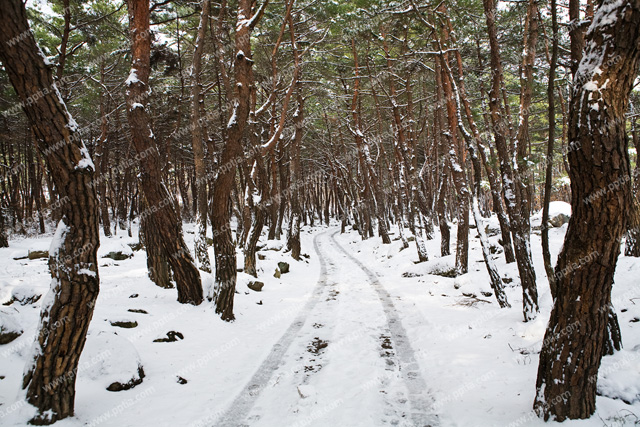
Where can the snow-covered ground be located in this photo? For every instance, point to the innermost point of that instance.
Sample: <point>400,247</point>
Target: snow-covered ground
<point>356,334</point>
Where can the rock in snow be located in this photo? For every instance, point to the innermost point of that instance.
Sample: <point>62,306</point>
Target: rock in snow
<point>9,328</point>
<point>111,360</point>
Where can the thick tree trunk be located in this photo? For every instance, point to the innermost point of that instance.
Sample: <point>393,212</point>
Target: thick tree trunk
<point>579,325</point>
<point>160,203</point>
<point>157,263</point>
<point>49,378</point>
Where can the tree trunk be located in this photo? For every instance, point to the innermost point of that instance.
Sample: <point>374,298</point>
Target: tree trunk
<point>157,263</point>
<point>578,330</point>
<point>102,160</point>
<point>546,255</point>
<point>160,203</point>
<point>293,234</point>
<point>443,159</point>
<point>459,176</point>
<point>513,196</point>
<point>632,242</point>
<point>371,190</point>
<point>49,379</point>
<point>225,251</point>
<point>197,98</point>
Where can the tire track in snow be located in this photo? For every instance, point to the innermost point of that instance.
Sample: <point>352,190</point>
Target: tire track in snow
<point>243,403</point>
<point>419,400</point>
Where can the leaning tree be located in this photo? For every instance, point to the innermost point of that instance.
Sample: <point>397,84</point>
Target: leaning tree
<point>579,330</point>
<point>49,379</point>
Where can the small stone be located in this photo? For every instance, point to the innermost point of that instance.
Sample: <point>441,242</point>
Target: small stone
<point>284,267</point>
<point>172,336</point>
<point>181,380</point>
<point>255,286</point>
<point>133,296</point>
<point>117,256</point>
<point>124,324</point>
<point>559,220</point>
<point>137,310</point>
<point>38,254</point>
<point>277,273</point>
<point>9,328</point>
<point>491,230</point>
<point>136,246</point>
<point>116,386</point>
<point>262,257</point>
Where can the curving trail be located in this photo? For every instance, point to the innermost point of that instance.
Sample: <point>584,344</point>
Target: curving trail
<point>344,360</point>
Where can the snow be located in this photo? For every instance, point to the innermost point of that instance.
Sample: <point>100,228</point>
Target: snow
<point>402,344</point>
<point>233,120</point>
<point>133,77</point>
<point>108,358</point>
<point>85,162</point>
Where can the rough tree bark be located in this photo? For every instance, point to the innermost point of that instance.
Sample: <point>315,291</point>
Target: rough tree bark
<point>546,254</point>
<point>225,251</point>
<point>102,159</point>
<point>161,206</point>
<point>579,325</point>
<point>514,198</point>
<point>197,137</point>
<point>293,234</point>
<point>49,378</point>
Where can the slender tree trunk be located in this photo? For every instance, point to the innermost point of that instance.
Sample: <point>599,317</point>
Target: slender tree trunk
<point>579,327</point>
<point>632,243</point>
<point>293,234</point>
<point>513,196</point>
<point>49,379</point>
<point>459,176</point>
<point>102,159</point>
<point>160,203</point>
<point>197,98</point>
<point>370,178</point>
<point>546,254</point>
<point>225,252</point>
<point>443,159</point>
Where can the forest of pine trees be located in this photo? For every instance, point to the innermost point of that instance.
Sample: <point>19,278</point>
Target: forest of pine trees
<point>403,120</point>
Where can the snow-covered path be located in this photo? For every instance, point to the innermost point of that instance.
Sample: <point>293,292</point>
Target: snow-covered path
<point>356,334</point>
<point>345,358</point>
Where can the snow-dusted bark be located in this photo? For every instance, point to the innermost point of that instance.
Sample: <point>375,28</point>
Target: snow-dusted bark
<point>163,216</point>
<point>225,251</point>
<point>581,324</point>
<point>49,378</point>
<point>197,97</point>
<point>515,198</point>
